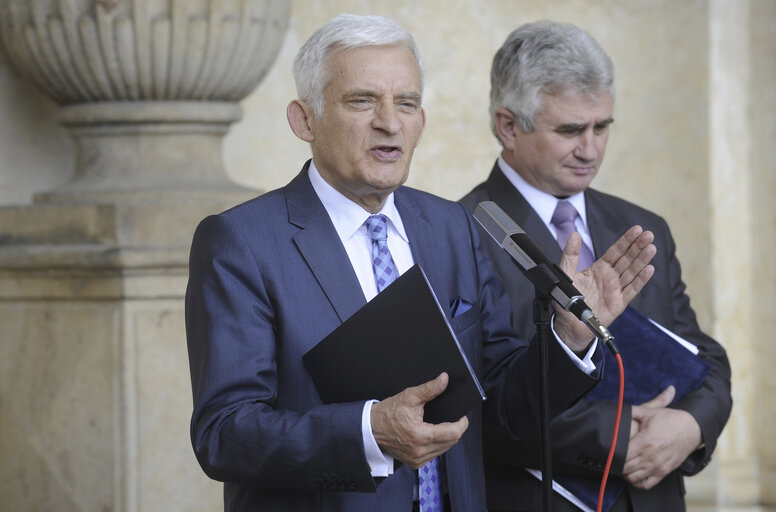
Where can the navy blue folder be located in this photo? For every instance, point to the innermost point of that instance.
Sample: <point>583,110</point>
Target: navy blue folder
<point>651,360</point>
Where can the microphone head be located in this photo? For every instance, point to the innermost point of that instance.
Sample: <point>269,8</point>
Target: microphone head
<point>496,222</point>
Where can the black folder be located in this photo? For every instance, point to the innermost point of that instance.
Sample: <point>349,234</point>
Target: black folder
<point>401,338</point>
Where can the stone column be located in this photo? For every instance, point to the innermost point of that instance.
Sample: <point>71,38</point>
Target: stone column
<point>94,384</point>
<point>742,35</point>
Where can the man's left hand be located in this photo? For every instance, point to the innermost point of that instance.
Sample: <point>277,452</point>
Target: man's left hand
<point>608,285</point>
<point>665,438</point>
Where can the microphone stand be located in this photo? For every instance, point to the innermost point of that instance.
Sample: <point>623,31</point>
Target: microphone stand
<point>541,317</point>
<point>544,280</point>
<point>550,282</point>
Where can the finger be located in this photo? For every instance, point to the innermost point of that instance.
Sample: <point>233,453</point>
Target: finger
<point>440,438</point>
<point>621,246</point>
<point>445,435</point>
<point>429,390</point>
<point>663,399</point>
<point>631,253</point>
<point>448,431</point>
<point>633,472</point>
<point>633,288</point>
<point>639,413</point>
<point>638,256</point>
<point>570,256</point>
<point>634,428</point>
<point>647,483</point>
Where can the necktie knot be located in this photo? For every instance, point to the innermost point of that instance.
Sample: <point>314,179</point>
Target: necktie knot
<point>377,227</point>
<point>563,219</point>
<point>564,212</point>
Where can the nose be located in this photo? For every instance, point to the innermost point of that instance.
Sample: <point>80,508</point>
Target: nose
<point>386,119</point>
<point>587,149</point>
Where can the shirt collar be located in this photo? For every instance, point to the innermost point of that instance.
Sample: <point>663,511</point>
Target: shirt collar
<point>346,215</point>
<point>542,202</point>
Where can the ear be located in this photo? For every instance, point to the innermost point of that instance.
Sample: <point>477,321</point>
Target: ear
<point>299,115</point>
<point>506,128</point>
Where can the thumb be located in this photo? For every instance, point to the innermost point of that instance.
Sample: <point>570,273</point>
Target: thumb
<point>431,389</point>
<point>570,256</point>
<point>663,399</point>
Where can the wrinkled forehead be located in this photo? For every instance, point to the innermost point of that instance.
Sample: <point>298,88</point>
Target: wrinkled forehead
<point>371,67</point>
<point>339,58</point>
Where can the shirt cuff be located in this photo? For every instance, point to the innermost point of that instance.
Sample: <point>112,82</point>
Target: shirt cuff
<point>586,363</point>
<point>380,464</point>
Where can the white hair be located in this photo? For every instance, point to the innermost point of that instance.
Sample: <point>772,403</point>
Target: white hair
<point>346,31</point>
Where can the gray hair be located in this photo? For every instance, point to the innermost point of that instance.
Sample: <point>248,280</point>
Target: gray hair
<point>546,57</point>
<point>311,72</point>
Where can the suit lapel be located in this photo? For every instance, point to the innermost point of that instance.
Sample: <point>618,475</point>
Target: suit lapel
<point>604,227</point>
<point>321,248</point>
<point>422,237</point>
<point>504,194</point>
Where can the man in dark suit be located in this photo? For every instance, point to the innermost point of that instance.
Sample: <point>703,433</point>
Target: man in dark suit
<point>552,100</point>
<point>272,277</point>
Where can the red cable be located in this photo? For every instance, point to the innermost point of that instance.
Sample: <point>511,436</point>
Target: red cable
<point>620,394</point>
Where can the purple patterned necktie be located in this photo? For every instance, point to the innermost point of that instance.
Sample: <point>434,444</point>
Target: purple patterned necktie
<point>429,481</point>
<point>430,487</point>
<point>382,263</point>
<point>563,220</point>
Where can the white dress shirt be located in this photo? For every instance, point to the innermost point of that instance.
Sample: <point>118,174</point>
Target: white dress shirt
<point>544,204</point>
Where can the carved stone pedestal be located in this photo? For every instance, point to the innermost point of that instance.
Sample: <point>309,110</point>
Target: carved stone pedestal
<point>95,395</point>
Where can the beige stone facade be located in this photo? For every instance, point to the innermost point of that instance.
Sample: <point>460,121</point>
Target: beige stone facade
<point>97,206</point>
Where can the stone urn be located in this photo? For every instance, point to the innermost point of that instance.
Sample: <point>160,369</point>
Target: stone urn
<point>147,89</point>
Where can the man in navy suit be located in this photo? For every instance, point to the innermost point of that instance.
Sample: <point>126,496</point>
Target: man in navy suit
<point>552,100</point>
<point>272,277</point>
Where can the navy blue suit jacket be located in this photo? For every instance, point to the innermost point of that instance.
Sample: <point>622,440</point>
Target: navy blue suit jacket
<point>581,435</point>
<point>268,280</point>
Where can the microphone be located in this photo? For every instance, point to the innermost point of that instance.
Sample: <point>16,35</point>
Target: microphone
<point>548,278</point>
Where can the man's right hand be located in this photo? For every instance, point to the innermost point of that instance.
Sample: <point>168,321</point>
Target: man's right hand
<point>399,429</point>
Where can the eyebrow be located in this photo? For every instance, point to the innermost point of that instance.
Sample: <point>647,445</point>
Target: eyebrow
<point>371,94</point>
<point>410,96</point>
<point>572,127</point>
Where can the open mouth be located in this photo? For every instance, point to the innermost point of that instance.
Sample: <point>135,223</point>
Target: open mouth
<point>387,152</point>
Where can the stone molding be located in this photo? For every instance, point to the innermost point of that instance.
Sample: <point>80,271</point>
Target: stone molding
<point>147,89</point>
<point>81,51</point>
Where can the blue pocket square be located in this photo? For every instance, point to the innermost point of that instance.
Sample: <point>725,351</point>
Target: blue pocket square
<point>459,307</point>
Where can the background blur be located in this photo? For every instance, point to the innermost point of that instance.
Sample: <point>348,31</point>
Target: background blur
<point>695,124</point>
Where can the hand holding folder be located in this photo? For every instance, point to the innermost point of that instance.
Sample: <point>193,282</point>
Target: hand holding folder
<point>399,339</point>
<point>653,358</point>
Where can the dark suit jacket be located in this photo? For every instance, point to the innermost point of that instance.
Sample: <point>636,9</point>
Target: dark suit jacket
<point>581,435</point>
<point>268,280</point>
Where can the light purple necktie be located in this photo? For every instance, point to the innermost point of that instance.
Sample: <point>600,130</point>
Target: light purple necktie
<point>429,481</point>
<point>382,263</point>
<point>563,220</point>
